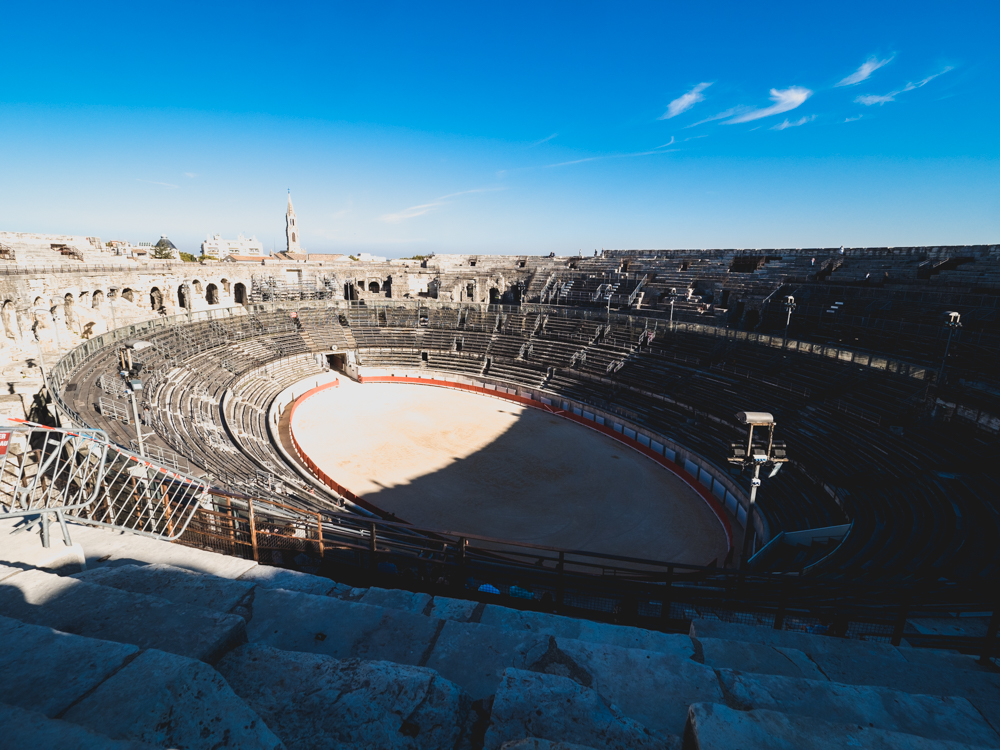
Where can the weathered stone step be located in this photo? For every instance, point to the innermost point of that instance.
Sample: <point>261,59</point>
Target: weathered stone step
<point>555,708</point>
<point>96,611</point>
<point>172,583</point>
<point>838,661</point>
<point>930,716</point>
<point>650,686</point>
<point>30,729</point>
<point>717,727</point>
<point>121,692</point>
<point>314,702</point>
<point>814,643</point>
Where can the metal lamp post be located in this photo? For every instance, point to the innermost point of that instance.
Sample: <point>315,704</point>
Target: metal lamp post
<point>952,321</point>
<point>764,451</point>
<point>790,307</point>
<point>673,298</point>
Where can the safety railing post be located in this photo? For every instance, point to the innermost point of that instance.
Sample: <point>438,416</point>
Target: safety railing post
<point>904,610</point>
<point>319,531</point>
<point>991,636</point>
<point>462,562</point>
<point>668,595</point>
<point>561,583</point>
<point>372,548</point>
<point>253,530</point>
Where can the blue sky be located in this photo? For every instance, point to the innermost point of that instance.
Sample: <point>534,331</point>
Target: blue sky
<point>508,127</point>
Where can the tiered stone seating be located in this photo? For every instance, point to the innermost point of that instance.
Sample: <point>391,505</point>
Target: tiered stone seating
<point>176,647</point>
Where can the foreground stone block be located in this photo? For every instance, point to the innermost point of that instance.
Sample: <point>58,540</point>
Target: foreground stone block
<point>270,577</point>
<point>45,670</point>
<point>171,701</point>
<point>758,659</point>
<point>20,729</point>
<point>932,717</point>
<point>315,702</point>
<point>398,599</point>
<point>87,609</point>
<point>548,707</point>
<point>324,625</point>
<point>536,744</point>
<point>715,727</point>
<point>174,584</point>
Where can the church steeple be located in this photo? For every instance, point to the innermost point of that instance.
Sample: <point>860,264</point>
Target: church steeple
<point>291,228</point>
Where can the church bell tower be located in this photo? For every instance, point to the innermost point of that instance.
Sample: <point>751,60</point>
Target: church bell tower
<point>291,228</point>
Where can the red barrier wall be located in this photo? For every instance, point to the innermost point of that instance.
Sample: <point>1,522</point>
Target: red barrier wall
<point>635,445</point>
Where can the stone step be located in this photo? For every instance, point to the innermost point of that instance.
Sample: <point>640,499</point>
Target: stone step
<point>96,611</point>
<point>313,701</point>
<point>650,686</point>
<point>558,709</point>
<point>838,662</point>
<point>929,716</point>
<point>717,727</point>
<point>533,743</point>
<point>814,643</point>
<point>172,583</point>
<point>30,729</point>
<point>121,692</point>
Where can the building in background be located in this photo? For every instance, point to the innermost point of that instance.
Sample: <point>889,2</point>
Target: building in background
<point>218,248</point>
<point>291,229</point>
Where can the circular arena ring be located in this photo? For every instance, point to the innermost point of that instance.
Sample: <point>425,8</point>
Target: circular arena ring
<point>873,495</point>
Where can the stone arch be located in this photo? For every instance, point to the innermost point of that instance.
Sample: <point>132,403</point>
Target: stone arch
<point>155,298</point>
<point>373,287</point>
<point>84,299</point>
<point>97,298</point>
<point>128,295</point>
<point>494,296</point>
<point>69,311</point>
<point>8,315</point>
<point>212,294</point>
<point>182,297</point>
<point>240,293</point>
<point>198,288</point>
<point>225,285</point>
<point>112,294</point>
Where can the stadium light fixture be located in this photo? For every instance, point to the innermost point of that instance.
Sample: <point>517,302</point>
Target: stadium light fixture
<point>790,307</point>
<point>952,321</point>
<point>673,298</point>
<point>759,451</point>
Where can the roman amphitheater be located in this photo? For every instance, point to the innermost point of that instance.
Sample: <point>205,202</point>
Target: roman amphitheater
<point>634,499</point>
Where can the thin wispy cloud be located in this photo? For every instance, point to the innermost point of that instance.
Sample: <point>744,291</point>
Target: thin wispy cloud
<point>190,175</point>
<point>864,72</point>
<point>853,119</point>
<point>658,150</point>
<point>870,100</point>
<point>424,208</point>
<point>164,184</point>
<point>546,139</point>
<point>793,123</point>
<point>784,100</point>
<point>671,142</point>
<point>684,102</point>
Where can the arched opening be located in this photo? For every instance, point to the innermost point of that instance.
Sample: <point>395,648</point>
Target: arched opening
<point>84,299</point>
<point>69,311</point>
<point>494,296</point>
<point>240,293</point>
<point>155,298</point>
<point>373,287</point>
<point>387,287</point>
<point>212,294</point>
<point>198,287</point>
<point>9,316</point>
<point>225,285</point>
<point>470,291</point>
<point>127,295</point>
<point>294,240</point>
<point>350,293</point>
<point>112,294</point>
<point>182,298</point>
<point>97,299</point>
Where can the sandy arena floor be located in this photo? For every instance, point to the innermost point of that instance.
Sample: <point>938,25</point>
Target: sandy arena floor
<point>456,461</point>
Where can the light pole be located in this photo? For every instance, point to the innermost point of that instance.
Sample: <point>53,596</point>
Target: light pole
<point>790,307</point>
<point>765,451</point>
<point>132,384</point>
<point>673,298</point>
<point>952,321</point>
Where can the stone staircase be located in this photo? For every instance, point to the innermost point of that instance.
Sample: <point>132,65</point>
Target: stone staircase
<point>156,645</point>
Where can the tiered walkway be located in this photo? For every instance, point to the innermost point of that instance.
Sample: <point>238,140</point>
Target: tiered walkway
<point>172,647</point>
